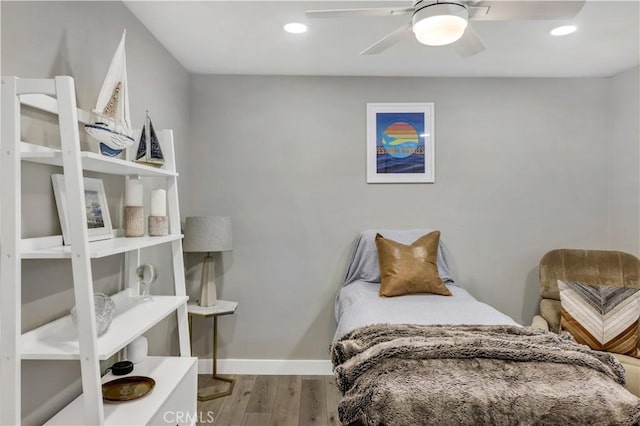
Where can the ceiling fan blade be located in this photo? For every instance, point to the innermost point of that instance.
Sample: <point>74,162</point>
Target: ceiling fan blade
<point>475,12</point>
<point>469,44</point>
<point>388,41</point>
<point>341,13</point>
<point>526,10</point>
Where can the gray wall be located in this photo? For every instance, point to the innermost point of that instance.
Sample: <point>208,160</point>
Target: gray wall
<point>521,169</point>
<point>44,39</point>
<point>624,162</point>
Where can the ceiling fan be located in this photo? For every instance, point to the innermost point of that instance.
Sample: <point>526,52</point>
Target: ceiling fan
<point>443,22</point>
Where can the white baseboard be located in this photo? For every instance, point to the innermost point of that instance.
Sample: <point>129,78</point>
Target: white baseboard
<point>312,367</point>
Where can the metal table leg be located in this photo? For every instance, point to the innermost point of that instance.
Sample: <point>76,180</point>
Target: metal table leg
<point>214,376</point>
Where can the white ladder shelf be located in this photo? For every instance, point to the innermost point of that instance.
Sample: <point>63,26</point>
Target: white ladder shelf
<point>61,339</point>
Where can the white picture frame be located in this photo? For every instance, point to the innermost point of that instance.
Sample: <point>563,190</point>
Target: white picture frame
<point>400,143</point>
<point>98,219</point>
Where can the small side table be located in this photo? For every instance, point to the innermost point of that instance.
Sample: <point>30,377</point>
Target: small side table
<point>222,307</point>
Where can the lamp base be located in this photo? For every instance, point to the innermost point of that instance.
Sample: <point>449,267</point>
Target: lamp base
<point>208,296</point>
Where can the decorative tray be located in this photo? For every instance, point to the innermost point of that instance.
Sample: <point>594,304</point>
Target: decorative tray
<point>127,388</point>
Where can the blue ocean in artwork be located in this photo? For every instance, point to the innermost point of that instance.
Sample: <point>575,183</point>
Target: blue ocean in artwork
<point>411,164</point>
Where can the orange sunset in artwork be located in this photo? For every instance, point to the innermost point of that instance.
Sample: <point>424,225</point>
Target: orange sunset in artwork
<point>400,139</point>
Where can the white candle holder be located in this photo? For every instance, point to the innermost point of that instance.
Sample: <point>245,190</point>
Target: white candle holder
<point>133,221</point>
<point>158,226</point>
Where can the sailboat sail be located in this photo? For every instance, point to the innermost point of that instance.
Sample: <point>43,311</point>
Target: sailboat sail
<point>110,120</point>
<point>149,150</point>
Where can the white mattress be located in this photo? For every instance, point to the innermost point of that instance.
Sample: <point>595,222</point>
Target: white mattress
<point>358,305</point>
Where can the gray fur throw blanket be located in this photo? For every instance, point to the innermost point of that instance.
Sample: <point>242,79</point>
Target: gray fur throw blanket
<point>413,375</point>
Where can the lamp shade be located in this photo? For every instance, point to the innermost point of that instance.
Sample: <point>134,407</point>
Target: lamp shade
<point>208,233</point>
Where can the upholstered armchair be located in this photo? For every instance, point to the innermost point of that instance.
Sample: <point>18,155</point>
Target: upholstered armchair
<point>611,268</point>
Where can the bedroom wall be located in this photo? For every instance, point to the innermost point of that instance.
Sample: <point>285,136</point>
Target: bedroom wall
<point>44,39</point>
<point>624,162</point>
<point>521,169</point>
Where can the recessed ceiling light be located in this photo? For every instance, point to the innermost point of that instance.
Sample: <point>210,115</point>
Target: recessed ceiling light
<point>295,28</point>
<point>563,30</point>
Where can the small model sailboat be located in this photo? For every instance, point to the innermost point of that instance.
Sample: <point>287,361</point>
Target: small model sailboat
<point>149,151</point>
<point>110,120</point>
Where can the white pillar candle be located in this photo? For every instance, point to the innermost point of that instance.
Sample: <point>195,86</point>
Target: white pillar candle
<point>158,202</point>
<point>137,350</point>
<point>133,196</point>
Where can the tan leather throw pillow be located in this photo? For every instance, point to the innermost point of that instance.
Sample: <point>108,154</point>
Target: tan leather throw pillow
<point>410,269</point>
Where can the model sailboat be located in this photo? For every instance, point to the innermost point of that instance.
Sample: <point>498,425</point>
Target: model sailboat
<point>110,120</point>
<point>149,151</point>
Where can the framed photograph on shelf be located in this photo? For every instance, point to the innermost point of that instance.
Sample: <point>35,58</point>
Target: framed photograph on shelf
<point>400,143</point>
<point>95,198</point>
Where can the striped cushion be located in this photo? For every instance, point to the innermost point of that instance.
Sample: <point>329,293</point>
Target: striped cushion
<point>602,317</point>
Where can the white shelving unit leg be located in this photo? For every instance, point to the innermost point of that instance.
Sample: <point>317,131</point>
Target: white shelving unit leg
<point>80,257</point>
<point>131,263</point>
<point>176,246</point>
<point>10,265</point>
<point>183,322</point>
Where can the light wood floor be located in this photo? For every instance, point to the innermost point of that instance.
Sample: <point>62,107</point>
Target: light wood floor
<point>271,401</point>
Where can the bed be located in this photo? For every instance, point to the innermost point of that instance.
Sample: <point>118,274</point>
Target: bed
<point>430,359</point>
<point>358,305</point>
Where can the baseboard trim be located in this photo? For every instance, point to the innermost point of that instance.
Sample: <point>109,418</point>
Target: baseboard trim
<point>311,367</point>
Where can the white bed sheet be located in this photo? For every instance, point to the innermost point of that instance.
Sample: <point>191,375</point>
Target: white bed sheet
<point>359,305</point>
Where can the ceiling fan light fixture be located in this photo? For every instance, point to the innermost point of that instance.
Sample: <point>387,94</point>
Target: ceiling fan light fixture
<point>439,24</point>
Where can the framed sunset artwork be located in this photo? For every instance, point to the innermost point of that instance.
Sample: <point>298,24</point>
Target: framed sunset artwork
<point>400,143</point>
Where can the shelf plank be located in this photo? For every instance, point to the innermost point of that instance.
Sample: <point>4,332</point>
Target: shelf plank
<point>52,248</point>
<point>168,373</point>
<point>58,340</point>
<point>50,104</point>
<point>93,162</point>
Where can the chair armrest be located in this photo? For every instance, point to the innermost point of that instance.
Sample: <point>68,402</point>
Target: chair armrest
<point>632,371</point>
<point>631,365</point>
<point>539,322</point>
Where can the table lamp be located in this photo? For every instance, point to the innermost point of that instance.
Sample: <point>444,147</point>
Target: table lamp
<point>207,234</point>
